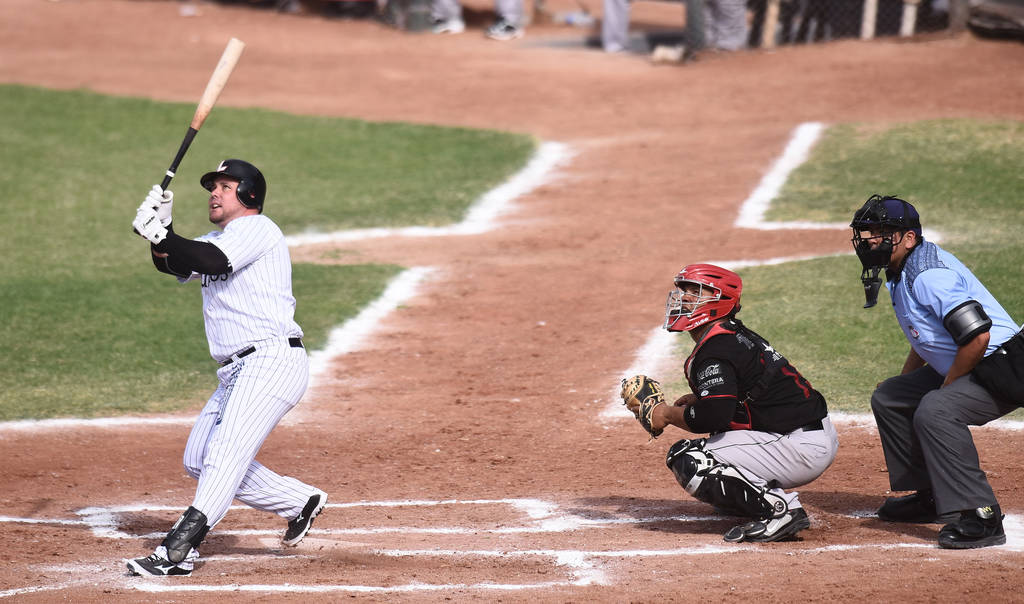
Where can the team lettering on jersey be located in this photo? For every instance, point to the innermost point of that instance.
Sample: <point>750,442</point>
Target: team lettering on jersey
<point>210,279</point>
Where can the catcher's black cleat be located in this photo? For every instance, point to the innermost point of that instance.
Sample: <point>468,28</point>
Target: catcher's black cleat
<point>157,565</point>
<point>916,508</point>
<point>982,527</point>
<point>783,528</point>
<point>298,527</point>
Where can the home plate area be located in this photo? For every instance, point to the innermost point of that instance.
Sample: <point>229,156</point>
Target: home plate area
<point>426,545</point>
<point>410,546</point>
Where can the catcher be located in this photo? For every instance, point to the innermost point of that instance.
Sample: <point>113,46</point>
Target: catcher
<point>768,429</point>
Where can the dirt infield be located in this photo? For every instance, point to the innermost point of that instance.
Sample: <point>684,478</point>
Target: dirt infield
<point>463,449</point>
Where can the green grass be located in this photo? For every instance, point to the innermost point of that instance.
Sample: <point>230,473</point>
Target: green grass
<point>91,329</point>
<point>964,178</point>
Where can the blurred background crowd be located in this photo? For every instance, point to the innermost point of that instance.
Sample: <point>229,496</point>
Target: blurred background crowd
<point>692,27</point>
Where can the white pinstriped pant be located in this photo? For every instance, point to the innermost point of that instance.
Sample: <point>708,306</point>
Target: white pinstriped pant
<point>254,393</point>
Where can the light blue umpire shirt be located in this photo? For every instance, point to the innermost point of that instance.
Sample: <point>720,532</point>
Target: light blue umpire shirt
<point>932,283</point>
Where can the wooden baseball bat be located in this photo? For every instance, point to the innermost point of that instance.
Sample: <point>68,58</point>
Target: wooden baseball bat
<point>220,76</point>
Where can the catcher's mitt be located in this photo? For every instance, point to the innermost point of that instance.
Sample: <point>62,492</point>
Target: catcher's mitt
<point>641,394</point>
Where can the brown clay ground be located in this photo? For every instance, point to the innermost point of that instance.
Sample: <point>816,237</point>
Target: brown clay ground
<point>488,385</point>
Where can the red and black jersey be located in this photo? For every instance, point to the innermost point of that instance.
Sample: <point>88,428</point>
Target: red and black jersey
<point>742,383</point>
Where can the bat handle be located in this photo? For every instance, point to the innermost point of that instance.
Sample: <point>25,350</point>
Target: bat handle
<point>191,134</point>
<point>185,142</point>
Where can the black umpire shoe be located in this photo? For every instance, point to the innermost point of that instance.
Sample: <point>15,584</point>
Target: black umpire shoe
<point>981,527</point>
<point>298,527</point>
<point>917,507</point>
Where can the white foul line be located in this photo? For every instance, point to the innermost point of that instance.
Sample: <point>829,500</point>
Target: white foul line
<point>657,353</point>
<point>751,215</point>
<point>353,333</point>
<point>653,358</point>
<point>481,217</point>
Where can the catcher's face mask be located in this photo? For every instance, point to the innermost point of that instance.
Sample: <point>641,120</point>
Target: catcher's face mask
<point>874,251</point>
<point>683,302</point>
<point>877,228</point>
<point>704,292</point>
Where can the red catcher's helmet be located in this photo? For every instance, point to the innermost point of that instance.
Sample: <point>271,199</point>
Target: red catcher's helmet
<point>718,295</point>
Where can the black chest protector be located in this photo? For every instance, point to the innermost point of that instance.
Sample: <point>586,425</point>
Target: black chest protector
<point>771,395</point>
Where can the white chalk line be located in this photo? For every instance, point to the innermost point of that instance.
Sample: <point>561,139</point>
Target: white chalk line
<point>19,591</point>
<point>292,588</point>
<point>481,216</point>
<point>100,520</point>
<point>752,212</point>
<point>580,565</point>
<point>355,332</point>
<point>657,357</point>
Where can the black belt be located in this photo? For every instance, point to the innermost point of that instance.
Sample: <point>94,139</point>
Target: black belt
<point>293,342</point>
<point>811,427</point>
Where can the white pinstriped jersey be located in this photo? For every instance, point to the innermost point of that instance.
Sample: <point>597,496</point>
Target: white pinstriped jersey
<point>254,301</point>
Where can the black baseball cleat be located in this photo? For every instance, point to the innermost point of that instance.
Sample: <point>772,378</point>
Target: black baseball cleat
<point>298,527</point>
<point>775,529</point>
<point>157,565</point>
<point>981,527</point>
<point>918,507</point>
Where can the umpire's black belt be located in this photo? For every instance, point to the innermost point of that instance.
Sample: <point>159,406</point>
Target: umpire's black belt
<point>293,342</point>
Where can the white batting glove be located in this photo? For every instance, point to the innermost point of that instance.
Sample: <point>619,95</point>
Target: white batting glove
<point>161,201</point>
<point>147,224</point>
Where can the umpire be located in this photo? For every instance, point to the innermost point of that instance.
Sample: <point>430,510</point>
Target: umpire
<point>952,322</point>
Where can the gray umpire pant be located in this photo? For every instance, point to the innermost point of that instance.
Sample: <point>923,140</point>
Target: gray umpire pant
<point>926,439</point>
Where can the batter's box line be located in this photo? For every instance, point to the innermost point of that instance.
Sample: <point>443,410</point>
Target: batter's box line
<point>580,564</point>
<point>546,518</point>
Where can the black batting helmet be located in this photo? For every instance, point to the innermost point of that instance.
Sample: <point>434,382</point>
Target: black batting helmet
<point>252,187</point>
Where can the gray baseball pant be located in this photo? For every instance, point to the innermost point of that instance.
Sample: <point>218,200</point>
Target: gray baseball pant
<point>615,25</point>
<point>777,461</point>
<point>715,23</point>
<point>508,10</point>
<point>726,24</point>
<point>926,439</point>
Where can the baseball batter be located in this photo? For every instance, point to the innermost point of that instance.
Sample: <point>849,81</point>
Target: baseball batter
<point>952,323</point>
<point>768,429</point>
<point>245,274</point>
